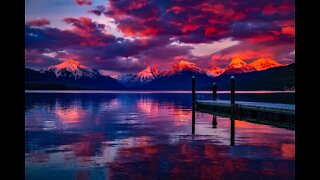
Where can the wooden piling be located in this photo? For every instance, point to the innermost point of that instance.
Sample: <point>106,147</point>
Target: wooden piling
<point>193,103</point>
<point>232,131</point>
<point>214,121</point>
<point>232,94</point>
<point>214,91</point>
<point>193,119</point>
<point>193,90</point>
<point>232,105</point>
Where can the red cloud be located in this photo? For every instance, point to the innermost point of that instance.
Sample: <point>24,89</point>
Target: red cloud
<point>210,31</point>
<point>269,10</point>
<point>176,9</point>
<point>286,8</point>
<point>84,26</point>
<point>203,21</point>
<point>38,22</point>
<point>288,30</point>
<point>93,33</point>
<point>189,27</point>
<point>148,31</point>
<point>137,4</point>
<point>281,8</point>
<point>239,16</point>
<point>83,2</point>
<point>261,38</point>
<point>215,8</point>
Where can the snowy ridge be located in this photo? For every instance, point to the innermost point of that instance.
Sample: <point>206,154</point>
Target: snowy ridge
<point>145,75</point>
<point>237,66</point>
<point>215,71</point>
<point>184,66</point>
<point>265,63</point>
<point>71,69</point>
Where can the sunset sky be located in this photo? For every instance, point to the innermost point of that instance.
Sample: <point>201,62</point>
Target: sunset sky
<point>123,36</point>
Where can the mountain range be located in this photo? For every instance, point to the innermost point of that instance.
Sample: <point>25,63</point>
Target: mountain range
<point>70,74</point>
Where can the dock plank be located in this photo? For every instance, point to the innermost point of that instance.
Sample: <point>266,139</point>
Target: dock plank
<point>287,109</point>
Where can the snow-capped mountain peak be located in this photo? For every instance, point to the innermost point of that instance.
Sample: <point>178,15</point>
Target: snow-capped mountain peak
<point>237,66</point>
<point>149,72</point>
<point>215,71</point>
<point>181,65</point>
<point>265,63</point>
<point>71,69</point>
<point>236,63</point>
<point>144,76</point>
<point>185,66</point>
<point>70,64</point>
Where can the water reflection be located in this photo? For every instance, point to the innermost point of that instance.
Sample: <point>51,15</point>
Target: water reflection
<point>214,121</point>
<point>232,131</point>
<point>122,136</point>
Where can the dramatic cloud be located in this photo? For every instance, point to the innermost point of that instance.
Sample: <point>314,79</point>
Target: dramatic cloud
<point>87,42</point>
<point>98,10</point>
<point>126,36</point>
<point>199,21</point>
<point>38,22</point>
<point>83,2</point>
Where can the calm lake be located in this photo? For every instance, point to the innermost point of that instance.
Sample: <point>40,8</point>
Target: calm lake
<point>148,135</point>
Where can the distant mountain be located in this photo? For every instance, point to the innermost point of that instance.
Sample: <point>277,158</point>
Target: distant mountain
<point>215,71</point>
<point>71,69</point>
<point>124,78</point>
<point>71,74</point>
<point>144,76</point>
<point>179,77</point>
<point>264,63</point>
<point>238,66</point>
<point>262,74</point>
<point>184,66</point>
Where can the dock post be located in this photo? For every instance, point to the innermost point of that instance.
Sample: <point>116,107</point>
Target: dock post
<point>214,91</point>
<point>232,115</point>
<point>193,119</point>
<point>214,121</point>
<point>193,103</point>
<point>232,131</point>
<point>232,94</point>
<point>193,90</point>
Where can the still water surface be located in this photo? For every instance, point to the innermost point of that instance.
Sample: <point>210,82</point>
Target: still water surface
<point>149,136</point>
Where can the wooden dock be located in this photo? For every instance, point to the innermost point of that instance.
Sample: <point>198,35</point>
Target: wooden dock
<point>285,109</point>
<point>282,115</point>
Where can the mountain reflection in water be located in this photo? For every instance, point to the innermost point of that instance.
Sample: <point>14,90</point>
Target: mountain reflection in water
<point>146,136</point>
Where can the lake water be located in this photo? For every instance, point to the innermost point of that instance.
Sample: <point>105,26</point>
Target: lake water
<point>123,135</point>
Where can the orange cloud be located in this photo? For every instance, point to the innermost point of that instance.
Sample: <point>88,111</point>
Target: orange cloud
<point>288,30</point>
